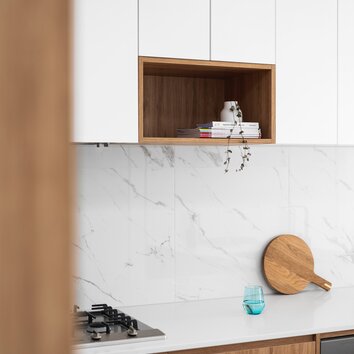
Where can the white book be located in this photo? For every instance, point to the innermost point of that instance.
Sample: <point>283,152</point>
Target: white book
<point>209,133</point>
<point>220,124</point>
<point>236,129</point>
<point>235,136</point>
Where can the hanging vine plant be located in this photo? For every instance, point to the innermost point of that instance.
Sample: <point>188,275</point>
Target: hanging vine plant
<point>244,147</point>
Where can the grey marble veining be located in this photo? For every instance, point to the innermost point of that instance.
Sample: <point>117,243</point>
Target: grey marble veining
<point>162,223</point>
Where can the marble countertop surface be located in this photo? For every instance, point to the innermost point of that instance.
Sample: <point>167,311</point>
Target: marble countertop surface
<point>223,321</point>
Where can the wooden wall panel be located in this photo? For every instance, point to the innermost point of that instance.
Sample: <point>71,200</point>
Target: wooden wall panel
<point>254,91</point>
<point>35,188</point>
<point>180,102</point>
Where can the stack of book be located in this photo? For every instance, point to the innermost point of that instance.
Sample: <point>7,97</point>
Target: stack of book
<point>218,129</point>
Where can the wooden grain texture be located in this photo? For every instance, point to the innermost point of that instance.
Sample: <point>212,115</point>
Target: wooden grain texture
<point>349,332</point>
<point>289,266</point>
<point>273,107</point>
<point>318,343</point>
<point>35,190</point>
<point>251,351</point>
<point>176,93</point>
<point>158,64</point>
<point>218,350</point>
<point>258,347</point>
<point>200,141</point>
<point>300,348</point>
<point>140,100</point>
<point>180,102</point>
<point>254,92</point>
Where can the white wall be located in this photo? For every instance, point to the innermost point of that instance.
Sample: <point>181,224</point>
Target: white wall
<point>163,224</point>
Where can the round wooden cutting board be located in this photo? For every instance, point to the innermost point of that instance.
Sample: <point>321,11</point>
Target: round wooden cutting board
<point>289,266</point>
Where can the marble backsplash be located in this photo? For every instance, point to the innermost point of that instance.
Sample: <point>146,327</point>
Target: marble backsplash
<point>164,223</point>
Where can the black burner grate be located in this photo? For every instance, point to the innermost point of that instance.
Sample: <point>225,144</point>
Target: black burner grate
<point>110,315</point>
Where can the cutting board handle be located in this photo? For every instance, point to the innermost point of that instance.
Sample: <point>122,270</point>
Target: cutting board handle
<point>323,283</point>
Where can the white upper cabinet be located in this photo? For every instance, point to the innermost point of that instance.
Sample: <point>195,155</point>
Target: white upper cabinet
<point>174,28</point>
<point>105,71</point>
<point>345,72</point>
<point>243,31</point>
<point>306,61</point>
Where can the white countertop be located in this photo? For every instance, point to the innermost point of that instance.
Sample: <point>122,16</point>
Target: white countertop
<point>216,322</point>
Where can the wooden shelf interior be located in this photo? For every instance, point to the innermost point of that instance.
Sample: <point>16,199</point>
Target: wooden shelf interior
<point>182,93</point>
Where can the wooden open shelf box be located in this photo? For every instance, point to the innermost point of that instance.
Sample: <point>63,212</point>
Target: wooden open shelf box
<point>177,93</point>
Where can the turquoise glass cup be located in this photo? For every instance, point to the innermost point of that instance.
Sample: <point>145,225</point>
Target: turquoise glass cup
<point>253,300</point>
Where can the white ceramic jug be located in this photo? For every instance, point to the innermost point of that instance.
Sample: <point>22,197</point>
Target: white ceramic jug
<point>228,114</point>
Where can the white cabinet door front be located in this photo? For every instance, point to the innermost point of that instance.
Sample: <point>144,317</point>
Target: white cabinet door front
<point>243,30</point>
<point>105,71</point>
<point>306,62</point>
<point>174,28</point>
<point>345,72</point>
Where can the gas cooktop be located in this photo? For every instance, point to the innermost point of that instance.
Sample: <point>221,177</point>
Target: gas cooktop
<point>104,325</point>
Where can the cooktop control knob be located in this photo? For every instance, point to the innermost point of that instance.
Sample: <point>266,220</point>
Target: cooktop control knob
<point>132,332</point>
<point>95,336</point>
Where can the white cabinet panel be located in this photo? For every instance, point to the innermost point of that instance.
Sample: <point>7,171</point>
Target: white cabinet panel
<point>345,71</point>
<point>105,71</point>
<point>174,28</point>
<point>306,62</point>
<point>243,30</point>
